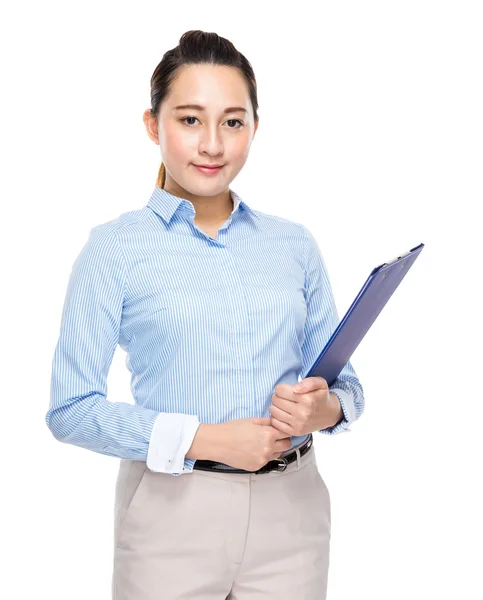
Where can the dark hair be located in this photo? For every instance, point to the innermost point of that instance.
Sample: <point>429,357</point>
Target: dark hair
<point>197,47</point>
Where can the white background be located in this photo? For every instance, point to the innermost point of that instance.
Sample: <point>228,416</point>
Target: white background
<point>371,135</point>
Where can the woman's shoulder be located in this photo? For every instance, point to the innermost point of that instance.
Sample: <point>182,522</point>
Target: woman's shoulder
<point>122,221</point>
<point>276,222</point>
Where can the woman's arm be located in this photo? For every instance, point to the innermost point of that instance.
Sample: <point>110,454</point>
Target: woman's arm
<point>321,321</point>
<point>79,412</point>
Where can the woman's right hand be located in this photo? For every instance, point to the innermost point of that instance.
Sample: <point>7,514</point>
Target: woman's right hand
<point>249,443</point>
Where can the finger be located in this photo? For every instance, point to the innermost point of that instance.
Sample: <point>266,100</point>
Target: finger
<point>281,426</point>
<point>262,420</point>
<point>286,404</point>
<point>284,390</point>
<point>309,384</point>
<point>280,414</point>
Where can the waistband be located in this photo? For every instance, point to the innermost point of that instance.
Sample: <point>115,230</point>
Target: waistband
<point>277,464</point>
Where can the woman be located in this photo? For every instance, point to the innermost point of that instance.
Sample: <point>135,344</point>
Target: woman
<point>220,308</point>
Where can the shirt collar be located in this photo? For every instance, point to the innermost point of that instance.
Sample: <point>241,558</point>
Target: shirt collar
<point>165,204</point>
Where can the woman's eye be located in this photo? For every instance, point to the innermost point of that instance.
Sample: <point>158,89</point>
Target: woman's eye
<point>229,121</point>
<point>183,120</point>
<point>235,121</point>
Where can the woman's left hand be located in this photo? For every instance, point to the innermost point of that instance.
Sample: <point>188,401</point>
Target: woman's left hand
<point>305,407</point>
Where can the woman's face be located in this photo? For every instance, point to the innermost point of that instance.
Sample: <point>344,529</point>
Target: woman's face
<point>208,134</point>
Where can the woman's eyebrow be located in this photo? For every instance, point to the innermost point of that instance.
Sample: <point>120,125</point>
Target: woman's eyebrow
<point>201,108</point>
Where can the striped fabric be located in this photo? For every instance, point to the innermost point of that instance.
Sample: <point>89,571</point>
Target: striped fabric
<point>209,326</point>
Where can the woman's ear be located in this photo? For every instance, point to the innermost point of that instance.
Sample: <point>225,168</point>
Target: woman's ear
<point>151,124</point>
<point>255,129</point>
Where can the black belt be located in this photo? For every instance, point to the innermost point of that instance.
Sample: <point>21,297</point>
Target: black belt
<point>277,464</point>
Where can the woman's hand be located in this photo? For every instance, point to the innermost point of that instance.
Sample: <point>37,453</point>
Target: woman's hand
<point>305,407</point>
<point>247,444</point>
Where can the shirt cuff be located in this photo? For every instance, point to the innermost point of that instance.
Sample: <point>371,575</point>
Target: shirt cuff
<point>171,438</point>
<point>348,408</point>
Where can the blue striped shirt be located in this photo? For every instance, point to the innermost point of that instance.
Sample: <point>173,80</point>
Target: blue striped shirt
<point>209,325</point>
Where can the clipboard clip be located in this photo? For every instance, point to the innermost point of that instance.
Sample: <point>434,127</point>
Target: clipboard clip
<point>393,260</point>
<point>403,255</point>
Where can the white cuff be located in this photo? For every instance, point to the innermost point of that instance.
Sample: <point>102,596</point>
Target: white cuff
<point>171,438</point>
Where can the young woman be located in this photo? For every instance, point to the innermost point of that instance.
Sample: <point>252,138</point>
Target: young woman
<point>220,308</point>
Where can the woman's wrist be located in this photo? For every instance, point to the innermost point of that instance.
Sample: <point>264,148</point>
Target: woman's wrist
<point>204,443</point>
<point>337,408</point>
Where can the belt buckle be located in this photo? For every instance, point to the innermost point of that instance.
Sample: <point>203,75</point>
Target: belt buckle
<point>281,464</point>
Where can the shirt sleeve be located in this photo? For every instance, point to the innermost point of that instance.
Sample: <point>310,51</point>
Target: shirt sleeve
<point>79,412</point>
<point>172,436</point>
<point>321,321</point>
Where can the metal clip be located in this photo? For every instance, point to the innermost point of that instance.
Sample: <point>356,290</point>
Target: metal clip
<point>282,464</point>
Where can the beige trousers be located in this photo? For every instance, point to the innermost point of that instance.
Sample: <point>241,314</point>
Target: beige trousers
<point>221,536</point>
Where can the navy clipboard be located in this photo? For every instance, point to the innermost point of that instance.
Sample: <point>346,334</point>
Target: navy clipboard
<point>373,296</point>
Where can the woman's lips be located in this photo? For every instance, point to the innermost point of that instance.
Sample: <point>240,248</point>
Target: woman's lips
<point>208,171</point>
